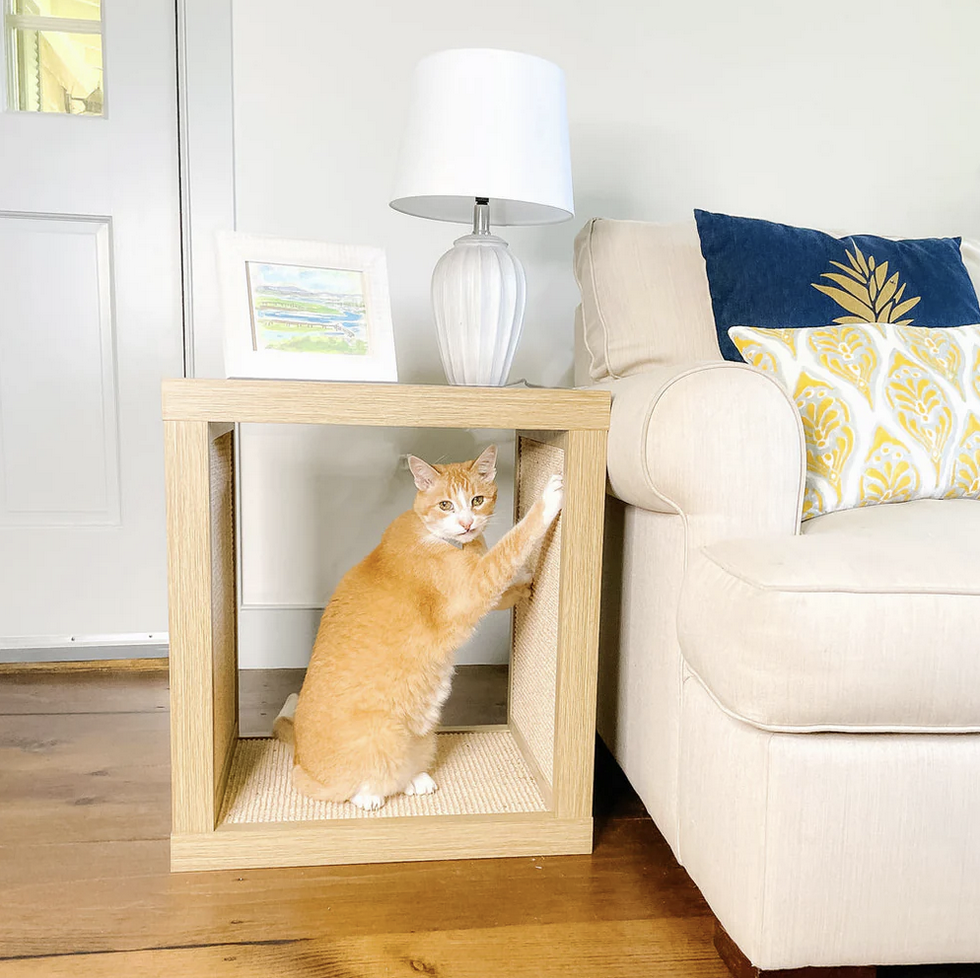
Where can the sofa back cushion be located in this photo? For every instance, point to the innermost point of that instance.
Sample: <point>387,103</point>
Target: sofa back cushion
<point>645,298</point>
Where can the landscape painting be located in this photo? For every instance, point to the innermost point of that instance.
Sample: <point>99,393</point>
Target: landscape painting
<point>301,309</point>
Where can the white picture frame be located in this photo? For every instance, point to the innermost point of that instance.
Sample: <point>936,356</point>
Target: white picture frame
<point>304,310</point>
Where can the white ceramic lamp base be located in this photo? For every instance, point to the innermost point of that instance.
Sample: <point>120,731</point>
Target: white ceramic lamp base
<point>478,295</point>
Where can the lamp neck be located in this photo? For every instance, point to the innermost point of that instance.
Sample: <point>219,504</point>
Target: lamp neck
<point>481,216</point>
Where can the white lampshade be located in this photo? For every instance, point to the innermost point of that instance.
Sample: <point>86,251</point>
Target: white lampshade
<point>485,123</point>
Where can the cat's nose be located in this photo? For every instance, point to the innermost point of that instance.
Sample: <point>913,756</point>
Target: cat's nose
<point>466,523</point>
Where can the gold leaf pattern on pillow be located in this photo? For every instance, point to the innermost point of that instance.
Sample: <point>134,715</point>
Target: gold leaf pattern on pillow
<point>935,349</point>
<point>847,352</point>
<point>826,428</point>
<point>867,291</point>
<point>965,479</point>
<point>920,406</point>
<point>889,475</point>
<point>913,433</point>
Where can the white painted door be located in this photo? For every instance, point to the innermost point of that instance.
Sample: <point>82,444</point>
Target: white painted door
<point>90,317</point>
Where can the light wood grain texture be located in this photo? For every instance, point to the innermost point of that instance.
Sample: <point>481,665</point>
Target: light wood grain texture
<point>343,841</point>
<point>578,627</point>
<point>86,777</point>
<point>204,695</point>
<point>224,602</point>
<point>155,664</point>
<point>84,691</point>
<point>620,949</point>
<point>112,907</point>
<point>556,439</point>
<point>58,899</point>
<point>187,459</point>
<point>393,405</point>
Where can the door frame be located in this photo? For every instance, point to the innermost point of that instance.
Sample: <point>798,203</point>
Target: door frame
<point>206,148</point>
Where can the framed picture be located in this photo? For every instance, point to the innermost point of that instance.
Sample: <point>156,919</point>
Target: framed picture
<point>305,310</point>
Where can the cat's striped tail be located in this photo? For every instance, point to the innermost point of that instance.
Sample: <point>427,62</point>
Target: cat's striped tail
<point>283,727</point>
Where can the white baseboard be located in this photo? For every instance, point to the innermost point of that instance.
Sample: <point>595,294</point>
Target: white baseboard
<point>83,653</point>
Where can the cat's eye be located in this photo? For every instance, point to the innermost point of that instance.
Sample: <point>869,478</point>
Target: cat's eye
<point>446,505</point>
<point>477,501</point>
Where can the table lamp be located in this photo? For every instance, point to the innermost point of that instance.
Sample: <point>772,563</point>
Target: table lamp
<point>486,139</point>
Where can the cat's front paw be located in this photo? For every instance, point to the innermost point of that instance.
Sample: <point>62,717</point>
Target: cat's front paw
<point>421,784</point>
<point>552,498</point>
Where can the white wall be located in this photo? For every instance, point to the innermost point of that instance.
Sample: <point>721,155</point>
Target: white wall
<point>861,116</point>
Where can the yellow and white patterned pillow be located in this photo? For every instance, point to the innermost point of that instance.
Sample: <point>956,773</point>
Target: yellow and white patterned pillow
<point>890,412</point>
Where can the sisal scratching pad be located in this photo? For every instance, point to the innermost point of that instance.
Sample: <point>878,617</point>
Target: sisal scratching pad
<point>479,772</point>
<point>534,658</point>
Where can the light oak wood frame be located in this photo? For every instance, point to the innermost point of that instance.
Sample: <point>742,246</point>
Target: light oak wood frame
<point>199,421</point>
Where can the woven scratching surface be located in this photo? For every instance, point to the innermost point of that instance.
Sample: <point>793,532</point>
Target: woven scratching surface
<point>477,773</point>
<point>225,661</point>
<point>535,655</point>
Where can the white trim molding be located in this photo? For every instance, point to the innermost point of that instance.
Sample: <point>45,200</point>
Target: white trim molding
<point>206,139</point>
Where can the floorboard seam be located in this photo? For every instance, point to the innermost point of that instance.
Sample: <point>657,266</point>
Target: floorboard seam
<point>280,942</point>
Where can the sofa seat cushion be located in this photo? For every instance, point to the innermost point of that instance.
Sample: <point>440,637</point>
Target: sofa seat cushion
<point>868,620</point>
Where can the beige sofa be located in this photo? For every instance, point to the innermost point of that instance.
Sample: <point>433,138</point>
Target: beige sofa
<point>797,706</point>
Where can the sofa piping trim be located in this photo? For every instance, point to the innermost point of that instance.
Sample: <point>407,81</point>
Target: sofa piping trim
<point>598,307</point>
<point>723,365</point>
<point>826,728</point>
<point>829,589</point>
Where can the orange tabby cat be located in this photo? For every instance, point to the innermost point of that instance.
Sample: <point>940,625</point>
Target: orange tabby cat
<point>364,724</point>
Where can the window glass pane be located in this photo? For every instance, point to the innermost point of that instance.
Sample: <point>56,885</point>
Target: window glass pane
<point>58,72</point>
<point>78,9</point>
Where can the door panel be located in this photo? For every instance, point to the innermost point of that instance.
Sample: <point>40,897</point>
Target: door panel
<point>57,374</point>
<point>90,323</point>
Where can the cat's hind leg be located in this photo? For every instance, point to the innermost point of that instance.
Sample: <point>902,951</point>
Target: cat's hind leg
<point>306,784</point>
<point>367,797</point>
<point>419,762</point>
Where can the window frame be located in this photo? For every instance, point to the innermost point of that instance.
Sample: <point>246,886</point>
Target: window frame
<point>12,22</point>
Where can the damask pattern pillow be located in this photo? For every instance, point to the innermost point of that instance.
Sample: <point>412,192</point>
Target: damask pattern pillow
<point>776,275</point>
<point>890,413</point>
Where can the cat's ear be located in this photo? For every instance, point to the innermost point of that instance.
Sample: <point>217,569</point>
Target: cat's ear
<point>425,475</point>
<point>486,464</point>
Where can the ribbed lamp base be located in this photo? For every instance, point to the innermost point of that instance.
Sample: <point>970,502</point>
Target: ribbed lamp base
<point>478,295</point>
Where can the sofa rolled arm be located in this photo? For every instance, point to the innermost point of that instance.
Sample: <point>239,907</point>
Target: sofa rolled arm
<point>718,441</point>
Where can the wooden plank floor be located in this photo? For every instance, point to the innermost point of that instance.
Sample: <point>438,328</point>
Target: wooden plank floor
<point>85,888</point>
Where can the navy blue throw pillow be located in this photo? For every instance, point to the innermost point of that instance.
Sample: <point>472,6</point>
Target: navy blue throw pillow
<point>773,275</point>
